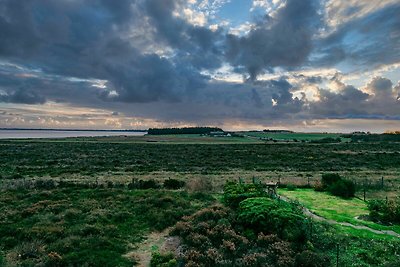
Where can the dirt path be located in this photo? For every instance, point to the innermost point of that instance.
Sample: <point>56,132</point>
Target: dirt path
<point>156,241</point>
<point>142,254</point>
<point>316,217</point>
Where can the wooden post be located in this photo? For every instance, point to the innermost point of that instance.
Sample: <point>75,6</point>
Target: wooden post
<point>382,182</point>
<point>308,181</point>
<point>365,184</point>
<point>364,193</point>
<point>254,180</point>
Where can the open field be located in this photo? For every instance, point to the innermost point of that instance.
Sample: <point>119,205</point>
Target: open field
<point>89,214</point>
<point>159,139</point>
<point>55,157</point>
<point>295,136</point>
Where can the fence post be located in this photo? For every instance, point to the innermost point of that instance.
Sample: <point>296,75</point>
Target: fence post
<point>382,182</point>
<point>364,193</point>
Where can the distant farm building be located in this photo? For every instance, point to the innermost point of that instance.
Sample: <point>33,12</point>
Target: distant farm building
<point>219,134</point>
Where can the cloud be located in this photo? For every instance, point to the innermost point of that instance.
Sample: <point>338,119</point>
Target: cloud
<point>364,42</point>
<point>90,40</point>
<point>23,97</point>
<point>376,101</point>
<point>284,40</point>
<point>163,61</point>
<point>380,86</point>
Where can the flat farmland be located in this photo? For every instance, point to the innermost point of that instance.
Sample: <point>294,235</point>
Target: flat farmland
<point>53,158</point>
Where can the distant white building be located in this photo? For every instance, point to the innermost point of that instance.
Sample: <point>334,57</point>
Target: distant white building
<point>219,134</point>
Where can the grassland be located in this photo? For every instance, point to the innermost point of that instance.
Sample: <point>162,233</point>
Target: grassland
<point>100,225</point>
<point>295,136</point>
<point>53,158</point>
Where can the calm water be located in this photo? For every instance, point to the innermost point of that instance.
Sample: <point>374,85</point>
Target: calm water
<point>5,134</point>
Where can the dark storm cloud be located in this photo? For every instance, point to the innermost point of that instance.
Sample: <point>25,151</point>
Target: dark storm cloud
<point>251,101</point>
<point>22,96</point>
<point>284,40</point>
<point>87,39</point>
<point>350,102</point>
<point>196,45</point>
<point>38,89</point>
<point>368,41</point>
<point>380,84</point>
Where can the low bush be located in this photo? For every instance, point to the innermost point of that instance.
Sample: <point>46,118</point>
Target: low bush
<point>342,188</point>
<point>211,239</point>
<point>291,187</point>
<point>387,212</point>
<point>328,179</point>
<point>201,184</point>
<point>163,260</point>
<point>173,184</point>
<point>266,215</point>
<point>143,184</point>
<point>336,185</point>
<point>234,193</point>
<point>216,237</point>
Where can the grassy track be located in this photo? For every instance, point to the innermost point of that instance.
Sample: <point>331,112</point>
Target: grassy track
<point>335,208</point>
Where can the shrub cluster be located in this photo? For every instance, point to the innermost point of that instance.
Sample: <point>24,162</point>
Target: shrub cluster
<point>336,185</point>
<point>84,227</point>
<point>387,212</point>
<point>173,184</point>
<point>263,214</point>
<point>216,237</point>
<point>143,184</point>
<point>234,193</point>
<point>250,230</point>
<point>163,260</point>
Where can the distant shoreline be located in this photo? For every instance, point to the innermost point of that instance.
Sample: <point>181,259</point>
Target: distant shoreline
<point>8,133</point>
<point>69,130</point>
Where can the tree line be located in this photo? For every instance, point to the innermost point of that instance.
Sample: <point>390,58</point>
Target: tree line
<point>185,130</point>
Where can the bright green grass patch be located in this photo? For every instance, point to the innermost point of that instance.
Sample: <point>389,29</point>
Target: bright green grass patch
<point>363,234</point>
<point>335,208</point>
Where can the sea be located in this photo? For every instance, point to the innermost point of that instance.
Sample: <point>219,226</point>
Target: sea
<point>18,134</point>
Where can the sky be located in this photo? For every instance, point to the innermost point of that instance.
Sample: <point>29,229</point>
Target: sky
<point>303,65</point>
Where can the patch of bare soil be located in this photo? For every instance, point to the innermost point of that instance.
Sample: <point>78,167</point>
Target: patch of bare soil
<point>156,241</point>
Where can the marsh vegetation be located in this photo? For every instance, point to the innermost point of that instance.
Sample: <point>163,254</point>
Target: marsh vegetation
<point>92,201</point>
